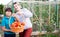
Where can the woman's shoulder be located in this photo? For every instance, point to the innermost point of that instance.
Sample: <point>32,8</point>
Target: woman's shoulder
<point>24,9</point>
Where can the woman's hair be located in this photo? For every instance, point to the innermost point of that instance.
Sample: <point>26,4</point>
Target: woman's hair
<point>16,3</point>
<point>8,9</point>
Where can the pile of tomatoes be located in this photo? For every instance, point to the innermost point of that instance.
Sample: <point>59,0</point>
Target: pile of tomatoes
<point>17,27</point>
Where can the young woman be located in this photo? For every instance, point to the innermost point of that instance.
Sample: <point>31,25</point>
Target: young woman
<point>24,15</point>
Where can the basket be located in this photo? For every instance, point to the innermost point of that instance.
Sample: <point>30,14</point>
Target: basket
<point>17,27</point>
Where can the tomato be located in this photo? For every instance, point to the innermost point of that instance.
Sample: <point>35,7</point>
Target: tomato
<point>23,23</point>
<point>17,27</point>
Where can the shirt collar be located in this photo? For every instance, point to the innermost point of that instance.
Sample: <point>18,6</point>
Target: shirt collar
<point>7,17</point>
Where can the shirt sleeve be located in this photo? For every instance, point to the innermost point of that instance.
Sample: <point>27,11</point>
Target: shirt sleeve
<point>3,22</point>
<point>14,19</point>
<point>27,13</point>
<point>11,20</point>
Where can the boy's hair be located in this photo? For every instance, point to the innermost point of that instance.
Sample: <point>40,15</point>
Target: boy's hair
<point>8,9</point>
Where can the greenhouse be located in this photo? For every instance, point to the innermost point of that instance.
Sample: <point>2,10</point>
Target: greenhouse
<point>46,15</point>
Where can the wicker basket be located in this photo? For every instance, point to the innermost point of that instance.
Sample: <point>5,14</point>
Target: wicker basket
<point>17,27</point>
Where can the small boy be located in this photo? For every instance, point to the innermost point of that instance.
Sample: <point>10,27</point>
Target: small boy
<point>6,22</point>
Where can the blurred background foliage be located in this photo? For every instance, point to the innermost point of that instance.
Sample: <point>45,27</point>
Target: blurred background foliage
<point>44,16</point>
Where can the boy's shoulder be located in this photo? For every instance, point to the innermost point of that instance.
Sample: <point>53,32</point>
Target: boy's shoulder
<point>4,17</point>
<point>12,17</point>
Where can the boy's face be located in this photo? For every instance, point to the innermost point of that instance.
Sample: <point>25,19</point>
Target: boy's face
<point>17,7</point>
<point>8,13</point>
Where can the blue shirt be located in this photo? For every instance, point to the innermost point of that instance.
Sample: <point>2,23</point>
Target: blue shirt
<point>5,23</point>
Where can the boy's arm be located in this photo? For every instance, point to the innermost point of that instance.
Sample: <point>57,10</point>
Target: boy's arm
<point>3,25</point>
<point>4,29</point>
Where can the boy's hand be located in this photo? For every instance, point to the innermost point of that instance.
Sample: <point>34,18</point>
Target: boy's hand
<point>9,30</point>
<point>4,29</point>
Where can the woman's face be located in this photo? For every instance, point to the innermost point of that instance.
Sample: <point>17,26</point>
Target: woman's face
<point>17,7</point>
<point>8,13</point>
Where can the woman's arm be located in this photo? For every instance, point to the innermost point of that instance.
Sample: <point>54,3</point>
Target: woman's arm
<point>16,18</point>
<point>27,13</point>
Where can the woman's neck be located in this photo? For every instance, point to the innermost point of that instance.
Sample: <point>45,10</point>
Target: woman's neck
<point>19,10</point>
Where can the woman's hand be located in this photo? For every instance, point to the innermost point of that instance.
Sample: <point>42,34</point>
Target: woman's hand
<point>19,13</point>
<point>16,18</point>
<point>14,15</point>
